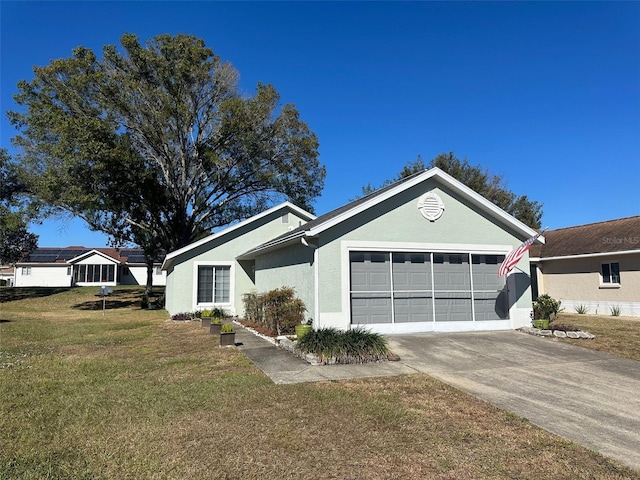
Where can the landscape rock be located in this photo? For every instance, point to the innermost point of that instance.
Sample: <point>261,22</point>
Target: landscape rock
<point>556,333</point>
<point>313,359</point>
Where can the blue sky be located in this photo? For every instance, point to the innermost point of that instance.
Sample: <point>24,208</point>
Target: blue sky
<point>546,94</point>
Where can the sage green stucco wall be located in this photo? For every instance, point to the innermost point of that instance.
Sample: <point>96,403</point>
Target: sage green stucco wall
<point>398,220</point>
<point>290,267</point>
<point>180,278</point>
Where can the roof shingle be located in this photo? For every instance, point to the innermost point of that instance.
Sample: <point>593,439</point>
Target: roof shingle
<point>618,235</point>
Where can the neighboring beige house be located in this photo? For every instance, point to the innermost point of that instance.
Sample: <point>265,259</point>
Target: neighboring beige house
<point>419,255</point>
<point>82,266</point>
<point>596,266</point>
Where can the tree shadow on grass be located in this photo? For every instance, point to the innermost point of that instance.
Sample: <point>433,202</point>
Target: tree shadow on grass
<point>117,299</point>
<point>11,294</point>
<point>108,304</point>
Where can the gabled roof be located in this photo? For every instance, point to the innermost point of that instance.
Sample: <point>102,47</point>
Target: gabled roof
<point>168,261</point>
<point>341,214</point>
<point>593,239</point>
<point>109,254</point>
<point>63,256</point>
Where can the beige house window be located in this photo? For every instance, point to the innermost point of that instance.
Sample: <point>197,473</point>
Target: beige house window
<point>610,274</point>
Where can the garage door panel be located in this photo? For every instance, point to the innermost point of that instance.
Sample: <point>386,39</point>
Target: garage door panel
<point>368,308</point>
<point>491,306</point>
<point>407,287</point>
<point>453,307</point>
<point>490,296</point>
<point>412,307</point>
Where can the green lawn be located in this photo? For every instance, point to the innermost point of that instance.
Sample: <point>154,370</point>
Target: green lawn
<point>130,395</point>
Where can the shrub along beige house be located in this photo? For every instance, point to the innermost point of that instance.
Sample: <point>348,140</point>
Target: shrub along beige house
<point>596,266</point>
<point>419,255</point>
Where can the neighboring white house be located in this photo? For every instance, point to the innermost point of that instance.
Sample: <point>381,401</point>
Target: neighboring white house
<point>6,275</point>
<point>419,255</point>
<point>594,266</point>
<point>81,266</point>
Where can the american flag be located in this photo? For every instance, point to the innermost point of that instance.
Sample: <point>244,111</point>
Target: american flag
<point>515,255</point>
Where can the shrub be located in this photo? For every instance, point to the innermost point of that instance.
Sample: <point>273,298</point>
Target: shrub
<point>615,311</point>
<point>581,309</point>
<point>226,328</point>
<point>278,310</point>
<point>252,307</point>
<point>353,346</point>
<point>182,316</point>
<point>220,313</point>
<point>206,314</point>
<point>546,308</point>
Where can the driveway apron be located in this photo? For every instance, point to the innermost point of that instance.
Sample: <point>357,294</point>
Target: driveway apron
<point>582,395</point>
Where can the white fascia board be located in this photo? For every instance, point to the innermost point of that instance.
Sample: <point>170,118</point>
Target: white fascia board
<point>40,264</point>
<point>170,256</point>
<point>88,254</point>
<point>586,255</point>
<point>467,192</point>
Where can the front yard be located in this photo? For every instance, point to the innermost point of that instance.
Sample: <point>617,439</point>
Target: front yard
<point>130,395</point>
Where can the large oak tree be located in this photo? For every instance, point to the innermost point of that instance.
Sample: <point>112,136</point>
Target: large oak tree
<point>15,239</point>
<point>155,144</point>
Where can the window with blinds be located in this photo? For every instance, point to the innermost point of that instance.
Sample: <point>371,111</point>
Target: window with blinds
<point>214,284</point>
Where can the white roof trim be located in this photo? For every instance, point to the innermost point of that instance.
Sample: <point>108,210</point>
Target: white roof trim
<point>89,253</point>
<point>447,179</point>
<point>235,226</point>
<point>584,255</point>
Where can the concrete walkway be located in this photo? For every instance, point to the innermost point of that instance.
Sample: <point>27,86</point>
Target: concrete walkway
<point>582,395</point>
<point>282,367</point>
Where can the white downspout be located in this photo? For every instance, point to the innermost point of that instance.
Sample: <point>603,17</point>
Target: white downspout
<point>316,286</point>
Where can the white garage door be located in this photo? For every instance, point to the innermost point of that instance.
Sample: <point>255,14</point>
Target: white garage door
<point>423,287</point>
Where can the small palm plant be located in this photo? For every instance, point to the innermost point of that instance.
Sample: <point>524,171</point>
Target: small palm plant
<point>581,309</point>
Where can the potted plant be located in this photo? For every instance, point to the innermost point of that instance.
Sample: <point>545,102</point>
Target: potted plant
<point>205,317</point>
<point>545,310</point>
<point>216,326</point>
<point>227,335</point>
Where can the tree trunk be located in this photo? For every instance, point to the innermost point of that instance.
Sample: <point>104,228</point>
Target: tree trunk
<point>149,288</point>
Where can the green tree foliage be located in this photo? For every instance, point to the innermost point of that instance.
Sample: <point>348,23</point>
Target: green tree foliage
<point>491,187</point>
<point>15,240</point>
<point>154,144</point>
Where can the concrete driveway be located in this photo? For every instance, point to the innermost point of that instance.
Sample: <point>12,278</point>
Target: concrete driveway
<point>585,396</point>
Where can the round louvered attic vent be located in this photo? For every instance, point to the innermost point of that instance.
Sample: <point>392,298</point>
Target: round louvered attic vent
<point>431,206</point>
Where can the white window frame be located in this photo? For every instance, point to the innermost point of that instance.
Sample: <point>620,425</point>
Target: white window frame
<point>611,283</point>
<point>26,271</point>
<point>157,271</point>
<point>232,275</point>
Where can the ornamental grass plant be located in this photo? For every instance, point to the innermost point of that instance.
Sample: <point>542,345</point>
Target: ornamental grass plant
<point>357,345</point>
